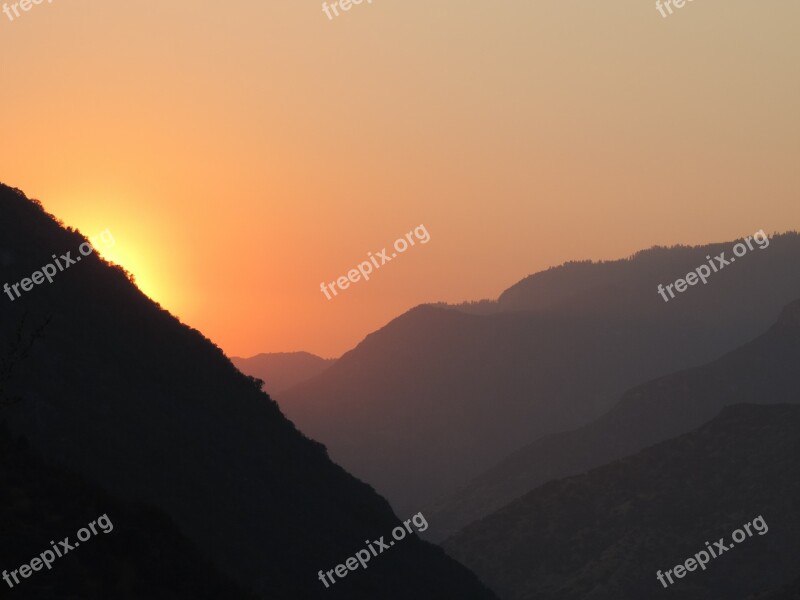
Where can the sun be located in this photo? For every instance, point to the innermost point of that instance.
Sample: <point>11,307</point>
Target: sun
<point>138,261</point>
<point>133,248</point>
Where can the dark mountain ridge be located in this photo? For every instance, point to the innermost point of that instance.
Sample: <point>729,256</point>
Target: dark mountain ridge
<point>142,555</point>
<point>120,392</point>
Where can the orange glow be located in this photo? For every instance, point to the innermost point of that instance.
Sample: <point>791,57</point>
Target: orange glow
<point>243,155</point>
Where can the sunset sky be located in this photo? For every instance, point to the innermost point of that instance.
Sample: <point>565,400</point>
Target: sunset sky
<point>243,153</point>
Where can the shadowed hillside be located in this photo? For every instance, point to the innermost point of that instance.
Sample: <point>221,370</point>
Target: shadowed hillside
<point>142,556</point>
<point>120,392</point>
<point>790,592</point>
<point>605,535</point>
<point>762,371</point>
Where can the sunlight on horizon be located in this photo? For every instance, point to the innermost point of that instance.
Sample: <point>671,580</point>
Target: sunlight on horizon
<point>125,241</point>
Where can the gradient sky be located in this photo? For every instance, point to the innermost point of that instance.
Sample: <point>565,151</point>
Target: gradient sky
<point>242,153</point>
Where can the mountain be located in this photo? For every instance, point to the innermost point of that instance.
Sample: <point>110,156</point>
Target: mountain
<point>107,385</point>
<point>790,592</point>
<point>606,534</point>
<point>139,553</point>
<point>762,371</point>
<point>441,394</point>
<point>282,370</point>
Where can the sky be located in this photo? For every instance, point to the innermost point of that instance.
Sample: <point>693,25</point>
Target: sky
<point>244,153</point>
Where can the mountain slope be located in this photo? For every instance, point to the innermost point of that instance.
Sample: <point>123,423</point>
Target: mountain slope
<point>120,392</point>
<point>629,287</point>
<point>439,395</point>
<point>762,371</point>
<point>142,556</point>
<point>605,535</point>
<point>790,592</point>
<point>282,370</point>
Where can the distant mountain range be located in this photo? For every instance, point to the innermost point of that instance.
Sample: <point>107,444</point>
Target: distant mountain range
<point>604,535</point>
<point>282,370</point>
<point>762,371</point>
<point>104,383</point>
<point>443,393</point>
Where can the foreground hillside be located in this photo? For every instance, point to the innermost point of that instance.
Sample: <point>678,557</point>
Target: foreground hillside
<point>605,535</point>
<point>106,384</point>
<point>143,555</point>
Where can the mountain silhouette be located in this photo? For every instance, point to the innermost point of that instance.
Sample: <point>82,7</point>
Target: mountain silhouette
<point>143,555</point>
<point>443,393</point>
<point>104,383</point>
<point>762,371</point>
<point>790,592</point>
<point>282,370</point>
<point>605,535</point>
